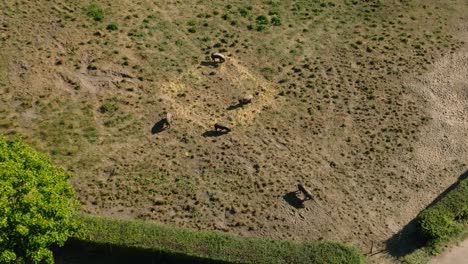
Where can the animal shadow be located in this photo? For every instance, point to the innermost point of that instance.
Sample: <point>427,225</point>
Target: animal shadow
<point>159,126</point>
<point>214,133</point>
<point>292,199</point>
<point>234,107</point>
<point>211,64</point>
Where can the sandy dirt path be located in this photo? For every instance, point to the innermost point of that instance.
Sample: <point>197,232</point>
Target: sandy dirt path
<point>456,255</point>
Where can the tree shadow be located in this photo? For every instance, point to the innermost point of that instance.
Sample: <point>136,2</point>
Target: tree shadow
<point>292,199</point>
<point>82,252</point>
<point>159,126</point>
<point>214,133</point>
<point>234,107</point>
<point>408,239</point>
<point>211,64</point>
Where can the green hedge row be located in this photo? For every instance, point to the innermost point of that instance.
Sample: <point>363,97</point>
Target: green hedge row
<point>212,245</point>
<point>447,217</point>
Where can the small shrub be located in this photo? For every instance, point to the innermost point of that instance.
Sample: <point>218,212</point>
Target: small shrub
<point>437,224</point>
<point>273,2</point>
<point>243,12</point>
<point>112,27</point>
<point>262,20</point>
<point>273,13</point>
<point>276,21</point>
<point>260,27</point>
<point>108,107</point>
<point>446,218</point>
<point>261,23</point>
<point>179,43</point>
<point>95,12</point>
<point>192,30</point>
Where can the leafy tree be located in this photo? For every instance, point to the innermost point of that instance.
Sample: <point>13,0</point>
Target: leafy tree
<point>37,205</point>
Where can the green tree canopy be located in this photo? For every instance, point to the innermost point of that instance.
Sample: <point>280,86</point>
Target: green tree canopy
<point>37,204</point>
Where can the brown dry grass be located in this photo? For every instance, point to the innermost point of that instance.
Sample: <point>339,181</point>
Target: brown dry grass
<point>351,100</point>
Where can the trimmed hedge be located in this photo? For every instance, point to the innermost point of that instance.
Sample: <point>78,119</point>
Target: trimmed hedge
<point>448,217</point>
<point>212,245</point>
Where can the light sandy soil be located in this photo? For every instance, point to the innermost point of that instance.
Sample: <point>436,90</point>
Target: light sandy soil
<point>444,89</point>
<point>444,140</point>
<point>456,255</point>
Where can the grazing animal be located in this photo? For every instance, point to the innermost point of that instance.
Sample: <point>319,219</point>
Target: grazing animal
<point>308,195</point>
<point>218,57</point>
<point>246,99</point>
<point>168,120</point>
<point>222,127</point>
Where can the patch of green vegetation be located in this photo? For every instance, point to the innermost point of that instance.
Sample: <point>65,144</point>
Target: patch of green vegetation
<point>95,12</point>
<point>244,12</point>
<point>192,26</point>
<point>179,43</point>
<point>213,245</point>
<point>8,12</point>
<point>134,33</point>
<point>112,27</point>
<point>37,205</point>
<point>3,71</point>
<point>276,21</point>
<point>66,129</point>
<point>268,73</point>
<point>261,23</point>
<point>439,224</point>
<point>226,17</point>
<point>448,217</point>
<point>118,119</point>
<point>192,30</point>
<point>273,2</point>
<point>420,256</point>
<point>108,107</point>
<point>273,13</point>
<point>447,220</point>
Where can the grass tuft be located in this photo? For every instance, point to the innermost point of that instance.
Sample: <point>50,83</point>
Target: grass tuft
<point>95,12</point>
<point>112,27</point>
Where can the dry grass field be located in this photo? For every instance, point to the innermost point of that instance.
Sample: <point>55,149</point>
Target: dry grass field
<point>364,102</point>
